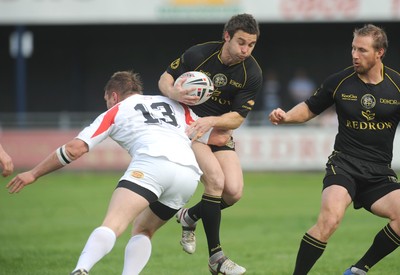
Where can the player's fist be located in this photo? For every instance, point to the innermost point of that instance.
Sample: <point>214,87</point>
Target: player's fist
<point>277,116</point>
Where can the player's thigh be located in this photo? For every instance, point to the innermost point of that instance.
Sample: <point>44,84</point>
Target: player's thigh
<point>334,201</point>
<point>232,169</point>
<point>123,208</point>
<point>388,206</point>
<point>213,176</point>
<point>147,223</point>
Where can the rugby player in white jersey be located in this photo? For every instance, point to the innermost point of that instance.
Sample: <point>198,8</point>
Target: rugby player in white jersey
<point>161,177</point>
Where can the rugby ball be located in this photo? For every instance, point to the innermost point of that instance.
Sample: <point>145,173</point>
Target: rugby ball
<point>203,84</point>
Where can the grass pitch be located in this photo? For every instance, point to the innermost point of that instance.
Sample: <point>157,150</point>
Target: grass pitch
<point>44,228</point>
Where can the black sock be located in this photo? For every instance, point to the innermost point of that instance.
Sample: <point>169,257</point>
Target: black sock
<point>210,212</point>
<point>309,252</point>
<point>194,212</point>
<point>385,242</point>
<point>224,204</point>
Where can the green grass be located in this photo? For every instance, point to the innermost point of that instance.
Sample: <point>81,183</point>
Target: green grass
<point>44,228</point>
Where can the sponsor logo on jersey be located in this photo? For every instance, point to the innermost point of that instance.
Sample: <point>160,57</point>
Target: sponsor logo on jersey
<point>235,84</point>
<point>250,102</point>
<point>249,105</point>
<point>369,125</point>
<point>368,101</point>
<point>350,97</point>
<point>389,101</point>
<point>215,97</point>
<point>220,80</point>
<point>175,63</point>
<point>368,115</point>
<point>137,174</point>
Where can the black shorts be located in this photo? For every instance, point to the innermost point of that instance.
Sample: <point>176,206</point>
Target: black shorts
<point>365,181</point>
<point>162,211</point>
<point>230,145</point>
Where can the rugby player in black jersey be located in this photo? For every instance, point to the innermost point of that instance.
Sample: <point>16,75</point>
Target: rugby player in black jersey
<point>367,100</point>
<point>237,78</point>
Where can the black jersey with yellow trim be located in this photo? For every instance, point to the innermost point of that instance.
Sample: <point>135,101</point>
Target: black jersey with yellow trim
<point>236,85</point>
<point>368,114</point>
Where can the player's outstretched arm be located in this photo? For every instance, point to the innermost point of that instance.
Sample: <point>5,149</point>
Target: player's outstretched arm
<point>63,155</point>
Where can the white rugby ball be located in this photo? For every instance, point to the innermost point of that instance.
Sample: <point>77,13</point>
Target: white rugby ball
<point>203,84</point>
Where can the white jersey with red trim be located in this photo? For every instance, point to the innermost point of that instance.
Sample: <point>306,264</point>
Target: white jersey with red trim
<point>151,125</point>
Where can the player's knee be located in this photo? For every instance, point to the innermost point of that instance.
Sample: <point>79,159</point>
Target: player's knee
<point>214,181</point>
<point>329,225</point>
<point>231,196</point>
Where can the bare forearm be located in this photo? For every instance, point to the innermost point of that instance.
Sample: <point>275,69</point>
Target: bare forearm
<point>298,114</point>
<point>73,150</point>
<point>228,121</point>
<point>48,165</point>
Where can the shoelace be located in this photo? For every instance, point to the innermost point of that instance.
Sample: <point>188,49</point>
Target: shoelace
<point>188,235</point>
<point>229,265</point>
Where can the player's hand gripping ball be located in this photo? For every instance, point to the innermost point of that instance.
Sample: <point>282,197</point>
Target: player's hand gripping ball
<point>203,84</point>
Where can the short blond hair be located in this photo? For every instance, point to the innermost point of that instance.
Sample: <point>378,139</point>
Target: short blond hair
<point>124,83</point>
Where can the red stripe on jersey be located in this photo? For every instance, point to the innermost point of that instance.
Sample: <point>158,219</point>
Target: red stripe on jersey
<point>107,121</point>
<point>188,117</point>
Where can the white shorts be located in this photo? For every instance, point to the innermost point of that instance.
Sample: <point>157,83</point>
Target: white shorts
<point>172,183</point>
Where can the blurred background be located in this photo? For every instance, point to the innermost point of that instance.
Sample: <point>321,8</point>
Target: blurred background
<point>56,56</point>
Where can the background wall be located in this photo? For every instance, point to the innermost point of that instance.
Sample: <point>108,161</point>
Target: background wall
<point>70,65</point>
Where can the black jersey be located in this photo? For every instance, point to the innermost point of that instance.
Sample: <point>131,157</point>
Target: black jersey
<point>236,85</point>
<point>368,114</point>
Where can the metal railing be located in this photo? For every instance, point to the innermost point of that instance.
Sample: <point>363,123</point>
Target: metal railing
<point>77,120</point>
<point>51,120</point>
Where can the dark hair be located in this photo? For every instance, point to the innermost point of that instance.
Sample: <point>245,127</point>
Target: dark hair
<point>378,35</point>
<point>244,22</point>
<point>124,83</point>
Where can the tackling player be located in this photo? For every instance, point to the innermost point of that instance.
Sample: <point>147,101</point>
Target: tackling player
<point>162,176</point>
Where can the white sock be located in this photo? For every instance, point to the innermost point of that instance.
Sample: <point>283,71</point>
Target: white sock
<point>137,254</point>
<point>99,244</point>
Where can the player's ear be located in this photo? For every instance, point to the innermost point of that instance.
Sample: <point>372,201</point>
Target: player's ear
<point>381,53</point>
<point>115,97</point>
<point>227,37</point>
